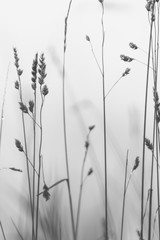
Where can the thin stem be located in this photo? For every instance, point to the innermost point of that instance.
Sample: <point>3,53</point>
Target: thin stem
<point>40,161</point>
<point>29,161</point>
<point>2,231</point>
<point>113,86</point>
<point>94,55</point>
<point>3,103</point>
<point>34,159</point>
<point>150,196</point>
<point>55,184</point>
<point>144,131</point>
<point>158,179</point>
<point>142,63</point>
<point>26,149</point>
<point>104,122</point>
<point>34,120</point>
<point>124,196</point>
<point>64,118</point>
<point>81,185</point>
<point>19,234</point>
<point>157,129</point>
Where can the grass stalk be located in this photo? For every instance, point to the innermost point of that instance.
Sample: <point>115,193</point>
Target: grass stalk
<point>144,130</point>
<point>82,183</point>
<point>40,161</point>
<point>3,104</point>
<point>64,118</point>
<point>17,230</point>
<point>104,122</point>
<point>124,195</point>
<point>19,73</point>
<point>158,178</point>
<point>3,233</point>
<point>34,79</point>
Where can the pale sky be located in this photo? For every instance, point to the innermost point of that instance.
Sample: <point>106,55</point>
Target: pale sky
<point>38,26</point>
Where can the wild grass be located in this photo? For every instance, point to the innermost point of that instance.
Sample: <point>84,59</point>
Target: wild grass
<point>47,221</point>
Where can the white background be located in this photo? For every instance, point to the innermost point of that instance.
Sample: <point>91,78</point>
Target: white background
<point>38,26</point>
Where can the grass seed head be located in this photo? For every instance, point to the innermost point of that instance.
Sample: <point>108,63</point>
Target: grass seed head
<point>16,58</point>
<point>87,38</point>
<point>33,85</point>
<point>86,144</point>
<point>149,144</point>
<point>126,72</point>
<point>42,69</point>
<point>133,46</point>
<point>91,127</point>
<point>101,1</point>
<point>31,106</point>
<point>126,58</point>
<point>45,90</point>
<point>46,193</point>
<point>34,68</point>
<point>16,84</point>
<point>150,5</point>
<point>90,171</point>
<point>23,107</point>
<point>136,164</point>
<point>19,145</point>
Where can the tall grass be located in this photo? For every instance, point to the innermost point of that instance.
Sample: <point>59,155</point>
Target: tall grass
<point>47,224</point>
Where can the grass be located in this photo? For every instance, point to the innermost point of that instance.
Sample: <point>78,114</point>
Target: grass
<point>45,219</point>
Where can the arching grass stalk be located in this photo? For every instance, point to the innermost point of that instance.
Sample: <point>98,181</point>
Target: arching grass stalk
<point>94,55</point>
<point>64,118</point>
<point>43,92</point>
<point>144,124</point>
<point>3,103</point>
<point>82,180</point>
<point>18,86</point>
<point>127,71</point>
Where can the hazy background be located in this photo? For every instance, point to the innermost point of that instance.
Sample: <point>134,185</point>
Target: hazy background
<point>38,26</point>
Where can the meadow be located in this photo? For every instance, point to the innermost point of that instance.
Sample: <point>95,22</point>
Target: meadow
<point>79,121</point>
